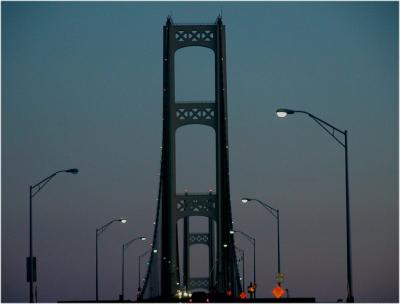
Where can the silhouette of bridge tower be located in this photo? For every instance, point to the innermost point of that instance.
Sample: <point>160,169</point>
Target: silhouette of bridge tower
<point>163,275</point>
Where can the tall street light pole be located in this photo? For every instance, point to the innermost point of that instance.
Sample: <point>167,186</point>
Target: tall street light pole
<point>252,240</point>
<point>98,232</point>
<point>31,261</point>
<point>275,213</point>
<point>330,129</point>
<point>124,247</point>
<point>139,266</point>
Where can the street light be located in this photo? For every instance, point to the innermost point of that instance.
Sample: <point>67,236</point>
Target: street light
<point>283,112</point>
<point>253,241</point>
<point>124,247</point>
<point>275,213</point>
<point>330,129</point>
<point>31,261</point>
<point>140,257</point>
<point>98,232</point>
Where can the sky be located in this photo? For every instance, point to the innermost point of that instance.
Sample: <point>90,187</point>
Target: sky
<point>82,87</point>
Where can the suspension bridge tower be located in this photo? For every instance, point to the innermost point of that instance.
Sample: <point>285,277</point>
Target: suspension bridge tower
<point>164,273</point>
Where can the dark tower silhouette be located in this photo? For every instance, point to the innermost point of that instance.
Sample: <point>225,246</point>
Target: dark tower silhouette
<point>163,277</point>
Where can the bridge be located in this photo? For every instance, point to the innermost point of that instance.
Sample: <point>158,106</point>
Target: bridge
<point>168,273</point>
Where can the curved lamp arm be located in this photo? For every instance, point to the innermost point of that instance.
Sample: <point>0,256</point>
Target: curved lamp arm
<point>127,244</point>
<point>248,237</point>
<point>274,212</point>
<point>44,181</point>
<point>104,227</point>
<point>322,123</point>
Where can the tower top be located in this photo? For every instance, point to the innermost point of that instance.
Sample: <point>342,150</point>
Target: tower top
<point>218,21</point>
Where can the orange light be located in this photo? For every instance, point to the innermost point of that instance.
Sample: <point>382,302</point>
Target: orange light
<point>229,293</point>
<point>278,292</point>
<point>242,295</point>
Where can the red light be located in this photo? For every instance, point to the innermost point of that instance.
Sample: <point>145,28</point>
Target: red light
<point>229,293</point>
<point>278,292</point>
<point>242,295</point>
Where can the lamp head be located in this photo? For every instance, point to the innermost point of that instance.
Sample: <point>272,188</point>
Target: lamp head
<point>123,220</point>
<point>232,231</point>
<point>245,200</point>
<point>283,112</point>
<point>155,250</point>
<point>73,171</point>
<point>143,238</point>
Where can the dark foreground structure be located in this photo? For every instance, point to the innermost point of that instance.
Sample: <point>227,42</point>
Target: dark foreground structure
<point>163,279</point>
<point>221,300</point>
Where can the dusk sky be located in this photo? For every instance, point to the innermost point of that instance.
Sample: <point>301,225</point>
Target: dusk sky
<point>82,87</point>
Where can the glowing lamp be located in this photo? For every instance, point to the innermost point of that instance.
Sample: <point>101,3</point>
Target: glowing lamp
<point>278,292</point>
<point>283,112</point>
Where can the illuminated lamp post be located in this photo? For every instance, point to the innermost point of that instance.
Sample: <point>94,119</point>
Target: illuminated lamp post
<point>98,232</point>
<point>31,261</point>
<point>275,213</point>
<point>252,240</point>
<point>124,247</point>
<point>330,129</point>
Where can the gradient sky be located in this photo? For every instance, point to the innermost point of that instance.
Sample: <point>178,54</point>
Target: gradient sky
<point>82,87</point>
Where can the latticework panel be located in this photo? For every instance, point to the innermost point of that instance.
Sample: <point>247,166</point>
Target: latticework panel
<point>196,283</point>
<point>198,238</point>
<point>196,205</point>
<point>195,113</point>
<point>199,35</point>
